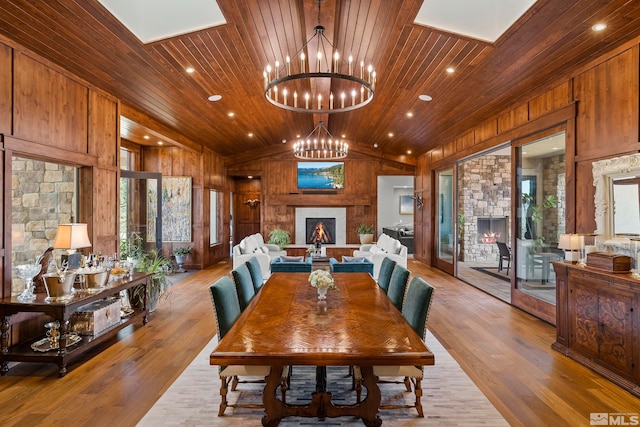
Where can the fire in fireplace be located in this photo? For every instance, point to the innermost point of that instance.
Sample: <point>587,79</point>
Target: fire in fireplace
<point>321,230</point>
<point>492,229</point>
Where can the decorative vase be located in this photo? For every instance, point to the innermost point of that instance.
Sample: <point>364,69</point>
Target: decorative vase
<point>322,293</point>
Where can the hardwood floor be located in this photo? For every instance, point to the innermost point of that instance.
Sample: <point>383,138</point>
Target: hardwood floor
<point>506,352</point>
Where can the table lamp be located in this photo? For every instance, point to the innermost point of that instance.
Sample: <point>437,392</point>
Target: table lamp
<point>71,237</point>
<point>572,244</point>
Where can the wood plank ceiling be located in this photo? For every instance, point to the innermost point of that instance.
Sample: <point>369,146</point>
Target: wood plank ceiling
<point>551,39</point>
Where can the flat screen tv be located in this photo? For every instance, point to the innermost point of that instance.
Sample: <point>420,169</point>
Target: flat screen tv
<point>321,175</point>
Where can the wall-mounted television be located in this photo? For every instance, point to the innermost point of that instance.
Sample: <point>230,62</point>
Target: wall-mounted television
<point>321,175</point>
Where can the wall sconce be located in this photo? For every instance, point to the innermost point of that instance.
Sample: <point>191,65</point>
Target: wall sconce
<point>419,201</point>
<point>71,237</point>
<point>572,244</point>
<point>252,202</point>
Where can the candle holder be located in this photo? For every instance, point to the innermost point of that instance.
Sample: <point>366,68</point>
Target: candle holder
<point>635,256</point>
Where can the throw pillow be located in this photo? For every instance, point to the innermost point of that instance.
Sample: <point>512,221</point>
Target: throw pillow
<point>292,258</point>
<point>243,246</point>
<point>352,259</point>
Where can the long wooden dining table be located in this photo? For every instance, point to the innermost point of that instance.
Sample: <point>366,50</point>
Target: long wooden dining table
<point>286,325</point>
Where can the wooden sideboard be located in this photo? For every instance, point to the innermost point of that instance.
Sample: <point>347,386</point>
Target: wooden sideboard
<point>62,311</point>
<point>598,322</point>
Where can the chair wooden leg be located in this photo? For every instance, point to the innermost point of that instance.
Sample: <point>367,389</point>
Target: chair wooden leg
<point>358,388</point>
<point>407,383</point>
<point>223,395</point>
<point>418,391</point>
<point>234,383</point>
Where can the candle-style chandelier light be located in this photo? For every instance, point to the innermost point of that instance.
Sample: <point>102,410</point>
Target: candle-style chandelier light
<point>323,83</point>
<point>320,145</point>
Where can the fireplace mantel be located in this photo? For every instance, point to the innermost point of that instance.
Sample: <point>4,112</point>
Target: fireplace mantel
<point>319,199</point>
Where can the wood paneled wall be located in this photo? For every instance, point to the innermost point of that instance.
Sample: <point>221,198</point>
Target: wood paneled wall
<point>280,193</point>
<point>599,109</point>
<point>207,172</point>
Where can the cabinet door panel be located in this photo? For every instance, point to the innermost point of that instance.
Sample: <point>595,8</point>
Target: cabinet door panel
<point>616,328</point>
<point>584,327</point>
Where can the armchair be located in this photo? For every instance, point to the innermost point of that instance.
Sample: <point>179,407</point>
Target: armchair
<point>364,266</point>
<point>385,247</point>
<point>279,265</point>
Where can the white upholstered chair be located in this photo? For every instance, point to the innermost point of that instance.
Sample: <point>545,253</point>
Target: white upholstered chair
<point>386,246</point>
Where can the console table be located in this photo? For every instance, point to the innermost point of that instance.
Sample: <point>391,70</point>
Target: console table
<point>597,322</point>
<point>62,311</point>
<point>332,251</point>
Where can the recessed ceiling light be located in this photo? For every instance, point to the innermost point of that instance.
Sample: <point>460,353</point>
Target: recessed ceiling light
<point>408,151</point>
<point>424,98</point>
<point>599,27</point>
<point>189,70</point>
<point>250,177</point>
<point>390,134</point>
<point>146,137</point>
<point>450,70</point>
<point>214,98</point>
<point>160,142</point>
<point>343,136</point>
<point>231,114</point>
<point>284,141</point>
<point>375,145</point>
<point>250,134</point>
<point>409,114</point>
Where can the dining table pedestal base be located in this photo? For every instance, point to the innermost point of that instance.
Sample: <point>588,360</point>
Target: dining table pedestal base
<point>321,406</point>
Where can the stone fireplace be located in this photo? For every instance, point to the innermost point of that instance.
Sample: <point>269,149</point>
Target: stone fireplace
<point>334,222</point>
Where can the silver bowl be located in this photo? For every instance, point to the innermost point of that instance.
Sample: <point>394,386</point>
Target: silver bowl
<point>59,289</point>
<point>95,281</point>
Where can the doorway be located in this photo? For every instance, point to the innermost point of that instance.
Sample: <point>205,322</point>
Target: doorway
<point>140,215</point>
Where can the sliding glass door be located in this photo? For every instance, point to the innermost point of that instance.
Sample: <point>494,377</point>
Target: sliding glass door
<point>445,240</point>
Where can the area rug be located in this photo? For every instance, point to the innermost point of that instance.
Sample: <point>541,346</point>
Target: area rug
<point>487,270</point>
<point>450,398</point>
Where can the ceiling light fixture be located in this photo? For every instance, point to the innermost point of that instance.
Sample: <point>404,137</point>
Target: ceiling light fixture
<point>320,145</point>
<point>425,98</point>
<point>599,27</point>
<point>337,84</point>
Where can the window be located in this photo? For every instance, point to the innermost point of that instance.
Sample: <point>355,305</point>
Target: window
<point>213,217</point>
<point>43,195</point>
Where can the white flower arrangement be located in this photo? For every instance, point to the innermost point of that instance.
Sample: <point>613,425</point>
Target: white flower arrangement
<point>322,279</point>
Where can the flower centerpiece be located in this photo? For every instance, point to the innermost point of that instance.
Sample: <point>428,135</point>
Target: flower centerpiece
<point>323,282</point>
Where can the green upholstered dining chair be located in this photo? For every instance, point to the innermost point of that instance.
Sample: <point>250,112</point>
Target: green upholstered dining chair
<point>256,273</point>
<point>416,312</point>
<point>226,310</point>
<point>384,276</point>
<point>244,285</point>
<point>398,285</point>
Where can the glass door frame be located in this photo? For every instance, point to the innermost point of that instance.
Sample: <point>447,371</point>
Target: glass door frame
<point>439,216</point>
<point>148,176</point>
<point>528,303</point>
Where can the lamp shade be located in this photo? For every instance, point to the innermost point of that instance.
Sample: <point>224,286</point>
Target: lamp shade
<point>72,236</point>
<point>570,242</point>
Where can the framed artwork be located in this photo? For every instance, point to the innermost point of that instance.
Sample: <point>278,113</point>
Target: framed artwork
<point>176,209</point>
<point>406,205</point>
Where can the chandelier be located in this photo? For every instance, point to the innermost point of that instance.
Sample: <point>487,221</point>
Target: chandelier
<point>335,84</point>
<point>320,145</point>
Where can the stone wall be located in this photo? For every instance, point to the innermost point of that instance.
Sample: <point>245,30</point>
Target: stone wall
<point>554,182</point>
<point>42,196</point>
<point>484,190</point>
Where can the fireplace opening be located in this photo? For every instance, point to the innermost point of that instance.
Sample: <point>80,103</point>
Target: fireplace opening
<point>492,229</point>
<point>321,230</point>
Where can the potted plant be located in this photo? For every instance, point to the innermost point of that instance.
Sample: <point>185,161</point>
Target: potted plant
<point>279,237</point>
<point>131,249</point>
<point>180,255</point>
<point>159,282</point>
<point>365,231</point>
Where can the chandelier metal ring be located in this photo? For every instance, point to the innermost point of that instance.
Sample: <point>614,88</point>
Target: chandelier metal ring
<point>320,145</point>
<point>350,102</point>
